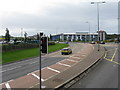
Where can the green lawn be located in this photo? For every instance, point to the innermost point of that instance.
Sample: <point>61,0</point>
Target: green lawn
<point>28,53</point>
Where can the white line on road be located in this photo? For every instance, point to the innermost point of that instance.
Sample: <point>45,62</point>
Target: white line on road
<point>53,69</point>
<point>77,57</point>
<point>71,60</point>
<point>36,76</point>
<point>63,64</point>
<point>34,62</point>
<point>8,86</point>
<point>11,69</point>
<point>114,54</point>
<point>42,80</point>
<point>83,55</point>
<point>18,62</point>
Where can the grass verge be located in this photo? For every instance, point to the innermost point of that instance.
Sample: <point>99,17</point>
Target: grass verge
<point>12,56</point>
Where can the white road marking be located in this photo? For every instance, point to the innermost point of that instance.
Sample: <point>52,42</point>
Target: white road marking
<point>43,86</point>
<point>8,86</point>
<point>34,62</point>
<point>77,57</point>
<point>83,55</point>
<point>42,80</point>
<point>71,60</point>
<point>114,54</point>
<point>11,69</point>
<point>17,62</point>
<point>36,76</point>
<point>63,64</point>
<point>53,69</point>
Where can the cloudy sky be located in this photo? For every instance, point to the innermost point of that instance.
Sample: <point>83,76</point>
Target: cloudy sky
<point>56,16</point>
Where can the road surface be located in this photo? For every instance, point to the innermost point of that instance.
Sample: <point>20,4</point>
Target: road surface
<point>105,74</point>
<point>18,69</point>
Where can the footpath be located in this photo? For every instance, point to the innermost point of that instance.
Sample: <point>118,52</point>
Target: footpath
<point>57,75</point>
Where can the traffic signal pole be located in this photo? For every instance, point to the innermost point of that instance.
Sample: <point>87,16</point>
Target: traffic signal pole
<point>40,58</point>
<point>43,48</point>
<point>40,35</point>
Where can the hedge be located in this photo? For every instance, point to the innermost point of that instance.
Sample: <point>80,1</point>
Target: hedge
<point>20,46</point>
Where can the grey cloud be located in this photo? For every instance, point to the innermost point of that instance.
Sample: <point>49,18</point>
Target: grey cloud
<point>66,18</point>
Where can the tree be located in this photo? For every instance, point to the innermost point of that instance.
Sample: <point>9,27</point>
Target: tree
<point>25,35</point>
<point>15,40</point>
<point>50,37</point>
<point>7,35</point>
<point>37,36</point>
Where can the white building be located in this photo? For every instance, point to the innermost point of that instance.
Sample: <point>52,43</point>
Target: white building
<point>78,36</point>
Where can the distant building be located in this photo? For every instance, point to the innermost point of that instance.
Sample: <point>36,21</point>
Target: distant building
<point>102,35</point>
<point>78,36</point>
<point>33,37</point>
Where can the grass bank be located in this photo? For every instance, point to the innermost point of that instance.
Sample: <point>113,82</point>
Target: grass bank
<point>28,53</point>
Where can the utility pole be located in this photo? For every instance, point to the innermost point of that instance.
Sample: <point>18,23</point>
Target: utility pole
<point>89,31</point>
<point>98,21</point>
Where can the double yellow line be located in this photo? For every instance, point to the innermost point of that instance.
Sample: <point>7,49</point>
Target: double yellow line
<point>111,60</point>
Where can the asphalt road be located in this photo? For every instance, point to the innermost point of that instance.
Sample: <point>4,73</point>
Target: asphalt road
<point>18,69</point>
<point>105,74</point>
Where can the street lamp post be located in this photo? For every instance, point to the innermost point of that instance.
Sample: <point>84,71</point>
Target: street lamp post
<point>89,31</point>
<point>98,20</point>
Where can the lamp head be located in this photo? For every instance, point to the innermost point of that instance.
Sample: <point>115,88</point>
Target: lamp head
<point>41,33</point>
<point>104,2</point>
<point>92,2</point>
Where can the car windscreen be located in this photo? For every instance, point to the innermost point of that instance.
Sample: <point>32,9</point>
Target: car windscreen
<point>65,49</point>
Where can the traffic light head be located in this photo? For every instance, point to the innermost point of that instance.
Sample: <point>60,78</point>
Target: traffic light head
<point>44,44</point>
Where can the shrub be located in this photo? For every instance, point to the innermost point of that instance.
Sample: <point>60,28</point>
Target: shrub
<point>51,43</point>
<point>12,47</point>
<point>20,46</point>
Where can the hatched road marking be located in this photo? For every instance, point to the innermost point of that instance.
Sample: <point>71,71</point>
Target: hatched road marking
<point>76,57</point>
<point>42,80</point>
<point>53,69</point>
<point>111,60</point>
<point>113,55</point>
<point>35,76</point>
<point>71,60</point>
<point>63,64</point>
<point>38,77</point>
<point>8,86</point>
